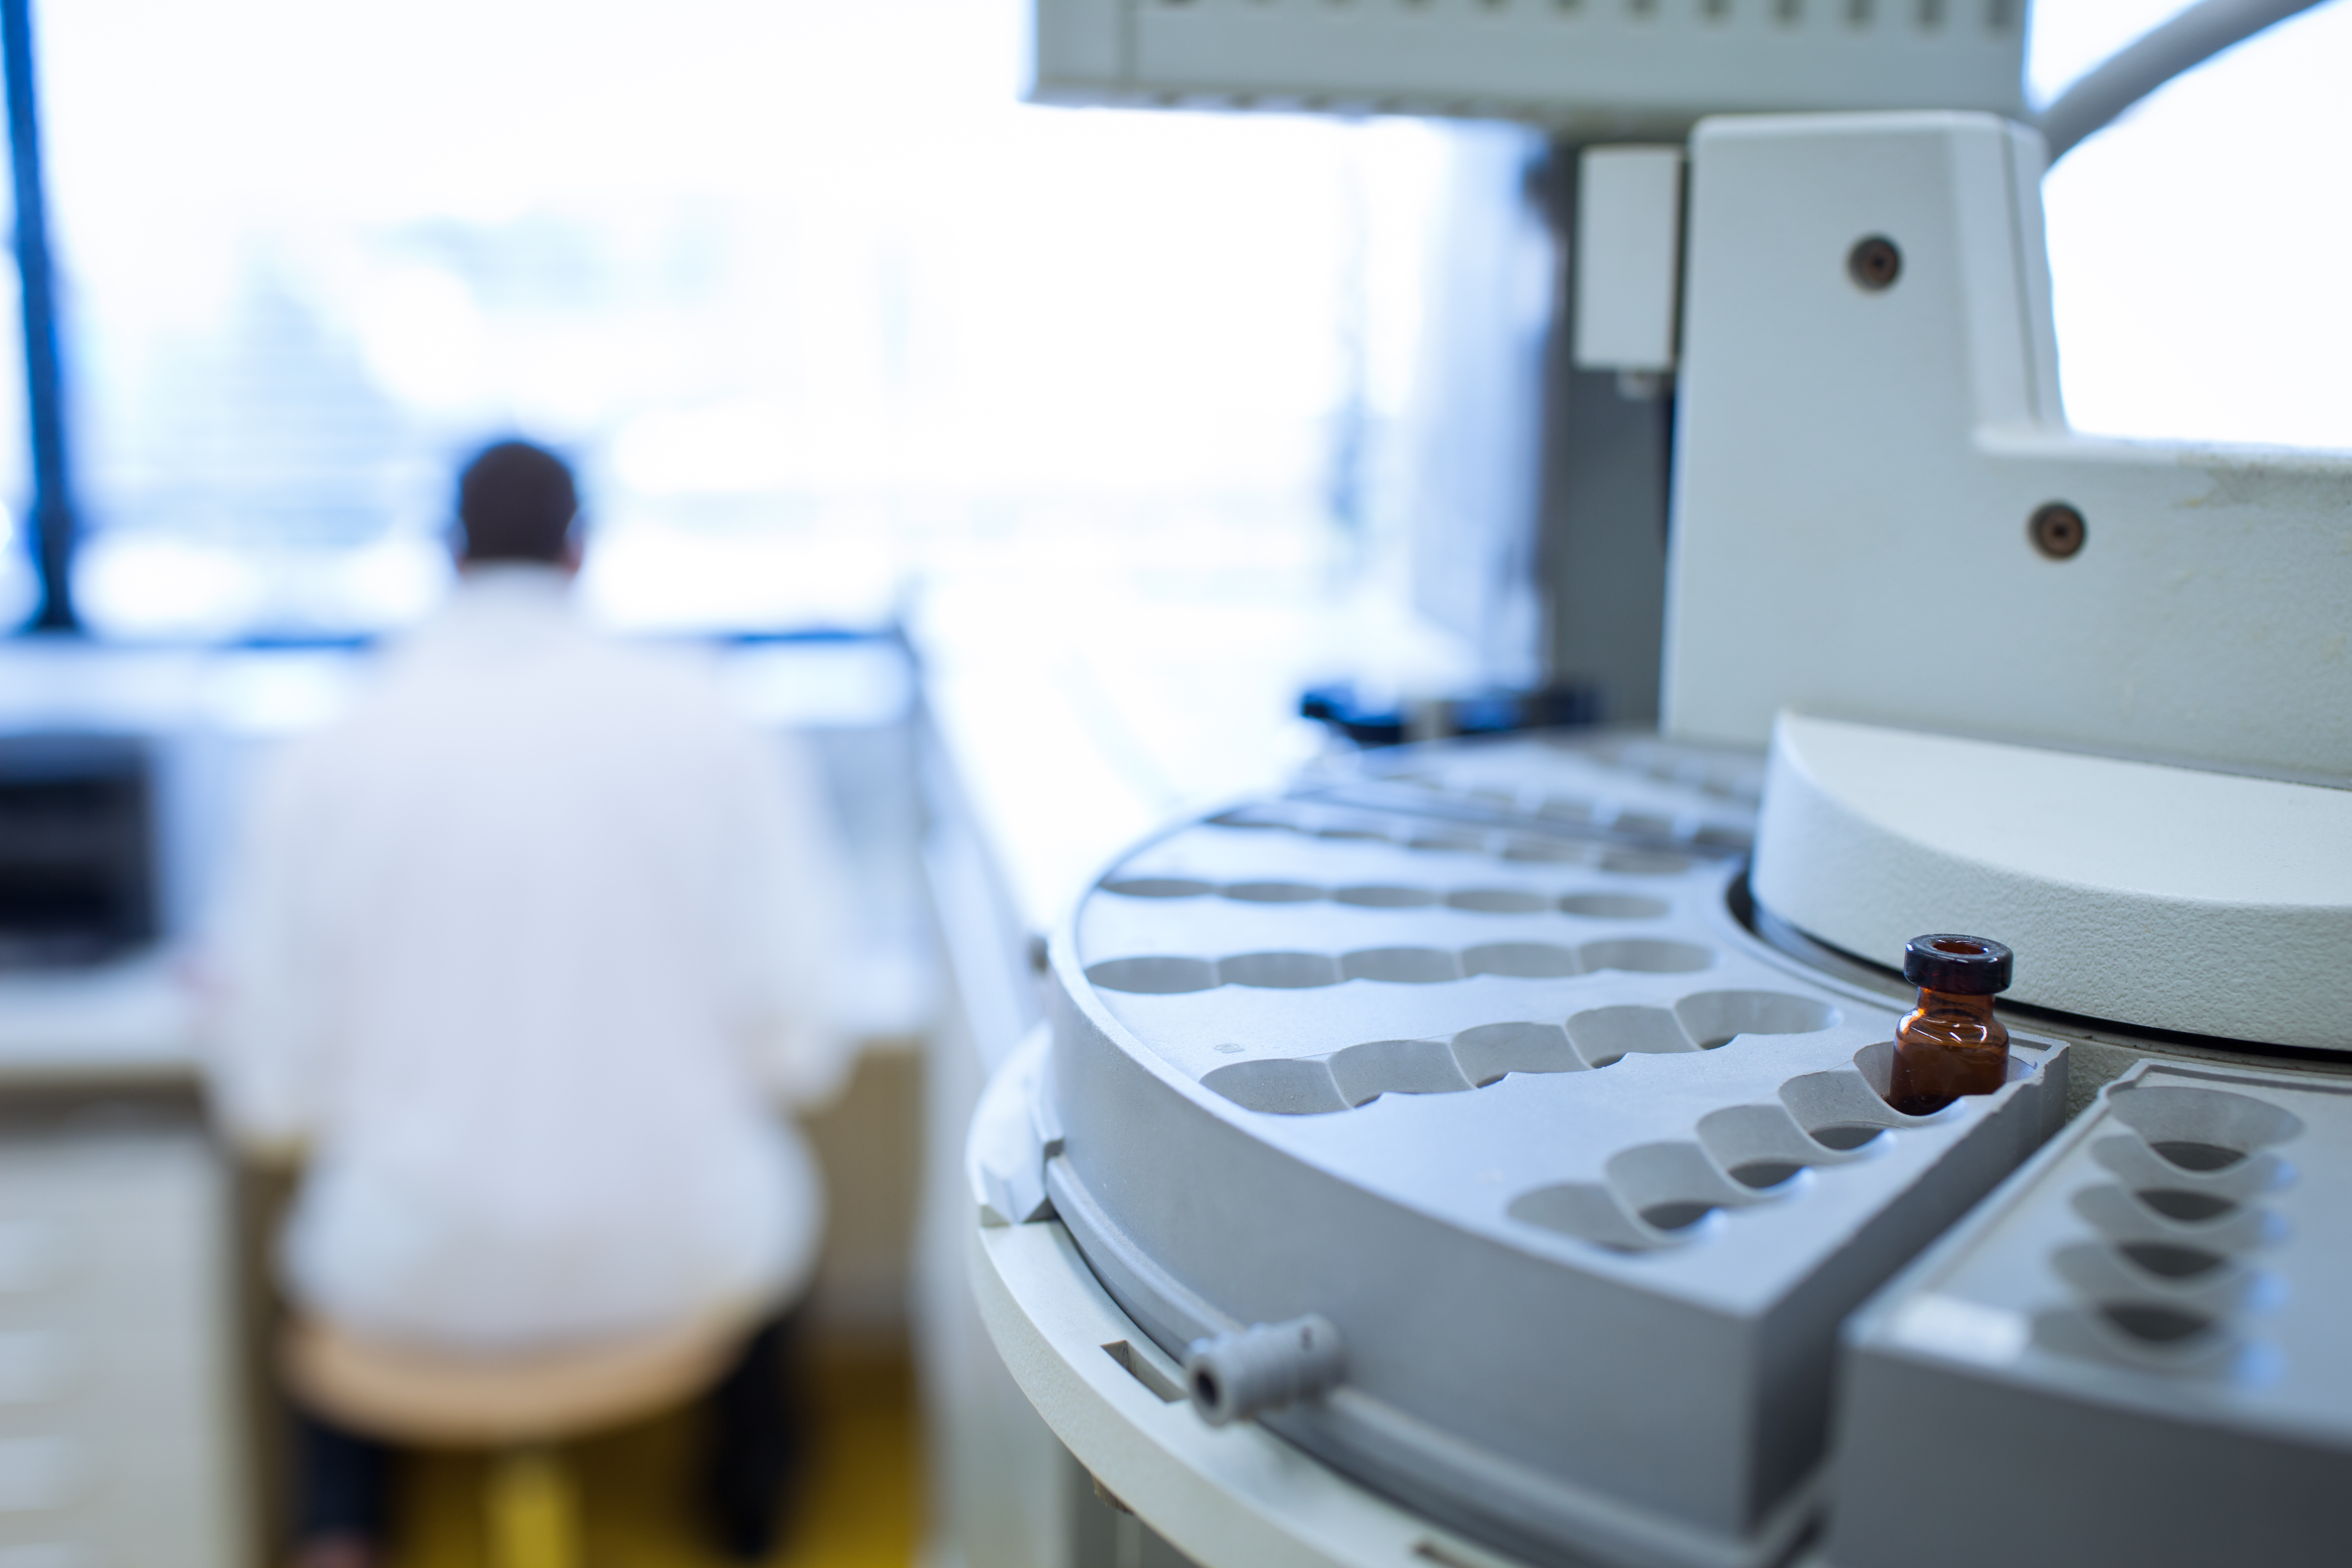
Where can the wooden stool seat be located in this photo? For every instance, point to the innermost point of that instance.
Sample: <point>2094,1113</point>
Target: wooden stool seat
<point>413,1393</point>
<point>519,1404</point>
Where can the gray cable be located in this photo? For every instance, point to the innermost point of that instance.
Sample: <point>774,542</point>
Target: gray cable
<point>2131,73</point>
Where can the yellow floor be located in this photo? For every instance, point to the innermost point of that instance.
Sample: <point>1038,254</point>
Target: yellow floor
<point>860,1502</point>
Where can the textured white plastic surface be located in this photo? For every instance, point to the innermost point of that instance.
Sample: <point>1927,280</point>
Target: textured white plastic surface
<point>1609,66</point>
<point>1629,243</point>
<point>1855,470</point>
<point>2161,897</point>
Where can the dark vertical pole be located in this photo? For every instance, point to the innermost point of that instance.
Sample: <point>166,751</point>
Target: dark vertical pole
<point>53,512</point>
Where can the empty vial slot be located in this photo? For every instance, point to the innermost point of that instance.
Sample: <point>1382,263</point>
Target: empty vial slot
<point>1376,1068</point>
<point>1402,965</point>
<point>2155,1323</point>
<point>1641,955</point>
<point>1153,976</point>
<point>1719,836</point>
<point>1715,1018</point>
<point>1252,819</point>
<point>1283,1087</point>
<point>1614,906</point>
<point>1490,1051</point>
<point>1279,971</point>
<point>1839,1110</point>
<point>1761,1146</point>
<point>1273,892</point>
<point>1158,887</point>
<point>1496,901</point>
<point>1603,1035</point>
<point>2200,1129</point>
<point>2168,1261</point>
<point>1673,1185</point>
<point>1566,808</point>
<point>2204,1280</point>
<point>1546,851</point>
<point>2191,1155</point>
<point>1349,833</point>
<point>1643,823</point>
<point>2142,1336</point>
<point>2187,1208</point>
<point>1588,1213</point>
<point>2120,1215</point>
<point>1642,863</point>
<point>2136,1164</point>
<point>1520,960</point>
<point>1385,898</point>
<point>1448,843</point>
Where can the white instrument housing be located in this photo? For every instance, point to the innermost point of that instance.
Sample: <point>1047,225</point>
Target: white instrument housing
<point>2124,748</point>
<point>2203,902</point>
<point>1601,67</point>
<point>1856,470</point>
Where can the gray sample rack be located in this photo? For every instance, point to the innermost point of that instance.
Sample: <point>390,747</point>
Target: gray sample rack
<point>2134,1353</point>
<point>1472,1058</point>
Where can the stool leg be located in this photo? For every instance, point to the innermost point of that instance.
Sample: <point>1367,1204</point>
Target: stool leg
<point>533,1511</point>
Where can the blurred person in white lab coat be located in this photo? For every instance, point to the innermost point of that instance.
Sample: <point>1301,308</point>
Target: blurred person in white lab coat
<point>527,956</point>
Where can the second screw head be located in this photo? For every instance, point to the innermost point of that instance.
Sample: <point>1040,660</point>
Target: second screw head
<point>1873,263</point>
<point>2057,530</point>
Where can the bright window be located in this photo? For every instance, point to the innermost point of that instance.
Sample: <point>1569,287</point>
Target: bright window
<point>823,309</point>
<point>2198,248</point>
<point>815,301</point>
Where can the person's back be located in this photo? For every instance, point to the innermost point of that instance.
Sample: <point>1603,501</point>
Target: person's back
<point>513,890</point>
<point>528,952</point>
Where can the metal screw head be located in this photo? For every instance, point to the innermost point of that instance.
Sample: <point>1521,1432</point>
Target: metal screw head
<point>2057,530</point>
<point>1873,263</point>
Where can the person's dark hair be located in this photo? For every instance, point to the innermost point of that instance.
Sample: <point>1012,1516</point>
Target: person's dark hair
<point>516,502</point>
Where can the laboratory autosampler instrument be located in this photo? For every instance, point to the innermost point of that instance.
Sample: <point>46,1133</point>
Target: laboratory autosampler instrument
<point>1489,1139</point>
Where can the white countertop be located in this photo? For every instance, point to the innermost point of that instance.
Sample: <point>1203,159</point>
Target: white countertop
<point>130,1020</point>
<point>1077,724</point>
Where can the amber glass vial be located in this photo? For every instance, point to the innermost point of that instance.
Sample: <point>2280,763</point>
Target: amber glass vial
<point>1951,1044</point>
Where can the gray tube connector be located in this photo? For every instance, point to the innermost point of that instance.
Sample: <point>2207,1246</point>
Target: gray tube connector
<point>1263,1367</point>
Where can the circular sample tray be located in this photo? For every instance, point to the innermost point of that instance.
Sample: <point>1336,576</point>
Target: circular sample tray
<point>1585,1174</point>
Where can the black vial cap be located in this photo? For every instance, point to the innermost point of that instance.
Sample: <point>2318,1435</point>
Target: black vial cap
<point>1967,966</point>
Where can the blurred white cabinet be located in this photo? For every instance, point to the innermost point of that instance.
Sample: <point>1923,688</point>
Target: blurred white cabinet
<point>119,1440</point>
